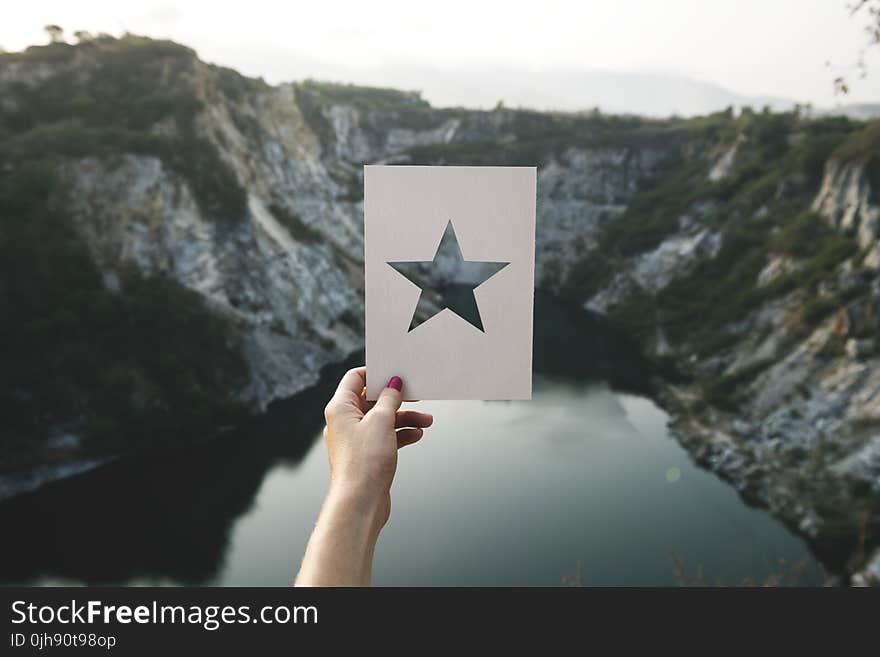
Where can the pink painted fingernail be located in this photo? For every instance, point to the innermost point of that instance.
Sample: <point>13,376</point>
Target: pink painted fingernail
<point>395,382</point>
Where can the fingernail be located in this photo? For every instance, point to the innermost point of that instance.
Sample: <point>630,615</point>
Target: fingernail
<point>395,382</point>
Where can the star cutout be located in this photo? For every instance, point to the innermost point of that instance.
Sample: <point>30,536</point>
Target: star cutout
<point>459,278</point>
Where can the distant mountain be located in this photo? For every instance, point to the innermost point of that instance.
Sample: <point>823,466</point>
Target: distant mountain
<point>645,94</point>
<point>657,95</point>
<point>181,245</point>
<point>855,111</point>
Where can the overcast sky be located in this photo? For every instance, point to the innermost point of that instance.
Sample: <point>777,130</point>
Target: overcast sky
<point>752,47</point>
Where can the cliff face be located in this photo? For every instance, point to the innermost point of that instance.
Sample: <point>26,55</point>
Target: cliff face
<point>780,349</point>
<point>741,251</point>
<point>286,267</point>
<point>289,272</point>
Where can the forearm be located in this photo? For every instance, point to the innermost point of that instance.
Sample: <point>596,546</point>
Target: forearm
<point>340,550</point>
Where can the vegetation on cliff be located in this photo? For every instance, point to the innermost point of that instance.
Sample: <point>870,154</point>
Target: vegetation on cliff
<point>128,95</point>
<point>139,367</point>
<point>145,360</point>
<point>762,207</point>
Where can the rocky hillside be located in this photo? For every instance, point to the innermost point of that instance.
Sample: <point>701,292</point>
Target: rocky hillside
<point>181,245</point>
<point>760,289</point>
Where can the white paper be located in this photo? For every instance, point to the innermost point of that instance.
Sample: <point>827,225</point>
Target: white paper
<point>407,210</point>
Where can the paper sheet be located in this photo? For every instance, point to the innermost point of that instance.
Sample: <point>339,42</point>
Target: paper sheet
<point>482,221</point>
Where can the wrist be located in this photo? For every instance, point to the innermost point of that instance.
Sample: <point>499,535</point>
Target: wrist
<point>340,550</point>
<point>359,504</point>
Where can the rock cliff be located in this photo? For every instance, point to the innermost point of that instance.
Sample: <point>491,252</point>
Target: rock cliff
<point>741,251</point>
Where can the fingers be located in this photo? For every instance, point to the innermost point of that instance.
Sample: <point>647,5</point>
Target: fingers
<point>413,419</point>
<point>367,405</point>
<point>408,437</point>
<point>346,401</point>
<point>389,400</point>
<point>352,381</point>
<point>350,400</point>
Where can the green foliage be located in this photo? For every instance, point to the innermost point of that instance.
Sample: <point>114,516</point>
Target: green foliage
<point>828,251</point>
<point>717,291</point>
<point>638,314</point>
<point>800,236</point>
<point>135,84</point>
<point>720,290</point>
<point>763,163</point>
<point>654,212</point>
<point>153,363</point>
<point>485,153</point>
<point>818,308</point>
<point>132,370</point>
<point>26,187</point>
<point>721,391</point>
<point>533,139</point>
<point>72,138</point>
<point>52,53</point>
<point>768,132</point>
<point>234,85</point>
<point>367,98</point>
<point>214,184</point>
<point>379,110</point>
<point>586,276</point>
<point>861,145</point>
<point>819,139</point>
<point>760,211</point>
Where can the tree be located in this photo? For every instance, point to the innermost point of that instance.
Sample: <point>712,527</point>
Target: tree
<point>55,32</point>
<point>871,9</point>
<point>83,35</point>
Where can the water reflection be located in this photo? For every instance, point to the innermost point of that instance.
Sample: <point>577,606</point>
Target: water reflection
<point>166,519</point>
<point>582,474</point>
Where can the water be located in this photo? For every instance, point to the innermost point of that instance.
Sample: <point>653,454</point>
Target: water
<point>583,484</point>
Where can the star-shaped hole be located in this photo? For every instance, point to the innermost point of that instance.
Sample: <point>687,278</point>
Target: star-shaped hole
<point>458,277</point>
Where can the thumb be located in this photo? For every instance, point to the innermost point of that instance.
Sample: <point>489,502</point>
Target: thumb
<point>391,397</point>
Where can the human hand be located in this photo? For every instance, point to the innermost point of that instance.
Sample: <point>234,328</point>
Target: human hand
<point>363,437</point>
<point>362,441</point>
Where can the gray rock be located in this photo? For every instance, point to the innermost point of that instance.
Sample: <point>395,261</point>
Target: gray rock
<point>844,200</point>
<point>859,348</point>
<point>863,465</point>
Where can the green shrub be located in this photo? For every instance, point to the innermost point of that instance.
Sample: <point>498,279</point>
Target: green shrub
<point>802,236</point>
<point>233,84</point>
<point>527,138</point>
<point>130,371</point>
<point>829,251</point>
<point>818,308</point>
<point>136,83</point>
<point>369,98</point>
<point>655,210</point>
<point>860,145</point>
<point>721,391</point>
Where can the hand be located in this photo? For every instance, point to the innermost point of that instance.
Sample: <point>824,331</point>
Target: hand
<point>362,441</point>
<point>363,437</point>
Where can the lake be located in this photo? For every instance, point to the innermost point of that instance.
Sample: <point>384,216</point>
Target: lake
<point>582,485</point>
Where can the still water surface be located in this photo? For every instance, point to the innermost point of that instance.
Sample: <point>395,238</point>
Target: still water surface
<point>583,483</point>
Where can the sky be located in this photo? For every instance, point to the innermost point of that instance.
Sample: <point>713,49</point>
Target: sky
<point>778,48</point>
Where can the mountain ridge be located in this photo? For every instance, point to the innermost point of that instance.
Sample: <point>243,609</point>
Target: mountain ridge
<point>652,93</point>
<point>219,219</point>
